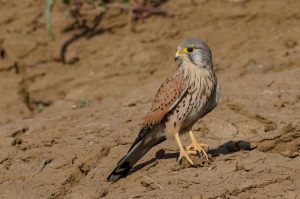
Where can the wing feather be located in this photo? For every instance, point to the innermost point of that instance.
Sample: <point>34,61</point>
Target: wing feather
<point>167,96</point>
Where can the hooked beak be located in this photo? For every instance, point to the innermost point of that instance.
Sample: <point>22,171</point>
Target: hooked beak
<point>179,55</point>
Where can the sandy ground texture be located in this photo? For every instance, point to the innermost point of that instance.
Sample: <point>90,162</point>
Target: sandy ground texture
<point>64,127</point>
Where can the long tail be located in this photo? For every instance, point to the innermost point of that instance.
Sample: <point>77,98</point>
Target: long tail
<point>147,139</point>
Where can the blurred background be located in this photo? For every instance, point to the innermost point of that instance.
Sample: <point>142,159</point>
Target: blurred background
<point>78,76</point>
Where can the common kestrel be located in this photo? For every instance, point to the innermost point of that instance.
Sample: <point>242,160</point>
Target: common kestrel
<point>183,98</point>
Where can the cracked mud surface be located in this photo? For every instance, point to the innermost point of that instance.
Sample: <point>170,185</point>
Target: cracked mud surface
<point>64,127</point>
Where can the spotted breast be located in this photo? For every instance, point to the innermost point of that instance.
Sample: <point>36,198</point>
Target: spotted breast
<point>201,97</point>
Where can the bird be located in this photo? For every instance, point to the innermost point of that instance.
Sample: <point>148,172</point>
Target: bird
<point>187,95</point>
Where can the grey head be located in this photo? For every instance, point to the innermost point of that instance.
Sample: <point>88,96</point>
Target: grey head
<point>194,51</point>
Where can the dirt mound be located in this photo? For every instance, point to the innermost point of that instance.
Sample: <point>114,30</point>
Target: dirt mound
<point>64,127</point>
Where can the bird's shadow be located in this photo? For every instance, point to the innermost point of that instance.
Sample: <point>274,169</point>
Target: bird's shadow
<point>226,148</point>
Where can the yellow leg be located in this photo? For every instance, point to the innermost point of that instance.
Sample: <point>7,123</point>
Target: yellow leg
<point>182,152</point>
<point>197,148</point>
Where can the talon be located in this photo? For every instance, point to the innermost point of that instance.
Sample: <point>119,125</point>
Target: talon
<point>192,146</point>
<point>197,148</point>
<point>182,152</point>
<point>192,152</point>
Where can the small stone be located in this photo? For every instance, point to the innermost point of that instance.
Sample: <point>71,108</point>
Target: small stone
<point>84,168</point>
<point>239,166</point>
<point>16,141</point>
<point>290,154</point>
<point>290,43</point>
<point>270,127</point>
<point>103,193</point>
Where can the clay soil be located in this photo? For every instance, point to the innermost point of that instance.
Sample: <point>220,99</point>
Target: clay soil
<point>63,127</point>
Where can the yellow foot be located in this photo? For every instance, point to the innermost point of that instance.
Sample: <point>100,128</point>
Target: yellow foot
<point>196,148</point>
<point>183,153</point>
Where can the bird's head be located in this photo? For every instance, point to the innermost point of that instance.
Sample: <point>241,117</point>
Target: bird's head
<point>194,51</point>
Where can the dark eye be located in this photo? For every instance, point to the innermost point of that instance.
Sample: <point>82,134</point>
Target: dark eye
<point>190,49</point>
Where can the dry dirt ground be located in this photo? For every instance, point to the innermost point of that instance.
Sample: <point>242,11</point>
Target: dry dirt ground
<point>64,127</point>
